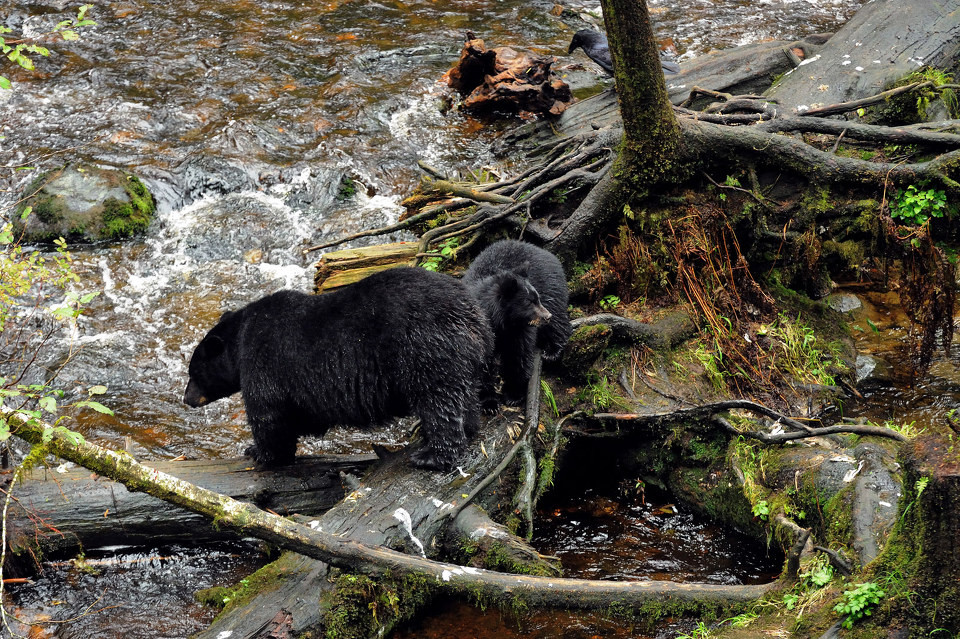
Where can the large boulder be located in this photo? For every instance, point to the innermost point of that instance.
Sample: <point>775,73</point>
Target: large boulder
<point>84,203</point>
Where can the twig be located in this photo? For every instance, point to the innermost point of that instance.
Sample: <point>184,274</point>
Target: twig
<point>844,107</point>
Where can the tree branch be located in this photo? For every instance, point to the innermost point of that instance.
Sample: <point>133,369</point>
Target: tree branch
<point>500,588</point>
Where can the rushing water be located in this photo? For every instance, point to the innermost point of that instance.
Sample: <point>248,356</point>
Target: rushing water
<point>243,117</point>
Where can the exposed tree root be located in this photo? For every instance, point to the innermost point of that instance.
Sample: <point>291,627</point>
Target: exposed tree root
<point>708,411</point>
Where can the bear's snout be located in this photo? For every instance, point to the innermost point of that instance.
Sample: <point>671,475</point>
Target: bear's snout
<point>542,316</point>
<point>193,396</point>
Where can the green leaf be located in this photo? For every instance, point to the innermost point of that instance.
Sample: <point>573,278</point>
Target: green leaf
<point>70,35</point>
<point>97,406</point>
<point>5,83</point>
<point>99,389</point>
<point>36,48</point>
<point>48,404</point>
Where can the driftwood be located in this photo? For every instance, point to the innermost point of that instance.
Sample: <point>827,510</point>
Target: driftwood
<point>56,512</point>
<point>506,80</point>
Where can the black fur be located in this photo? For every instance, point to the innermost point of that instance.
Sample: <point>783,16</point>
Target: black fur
<point>523,290</point>
<point>401,342</point>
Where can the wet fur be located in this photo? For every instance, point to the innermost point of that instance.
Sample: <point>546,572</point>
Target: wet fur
<point>402,342</point>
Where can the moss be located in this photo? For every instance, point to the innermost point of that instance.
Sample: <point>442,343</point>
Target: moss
<point>238,595</point>
<point>347,189</point>
<point>360,606</point>
<point>850,254</point>
<point>586,345</point>
<point>123,219</point>
<point>48,209</point>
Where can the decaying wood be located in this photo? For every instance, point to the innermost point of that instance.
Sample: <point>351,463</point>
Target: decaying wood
<point>664,333</point>
<point>400,506</point>
<point>56,512</point>
<point>713,409</point>
<point>508,81</point>
<point>339,268</point>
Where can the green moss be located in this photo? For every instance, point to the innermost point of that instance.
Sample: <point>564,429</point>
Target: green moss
<point>48,209</point>
<point>347,190</point>
<point>360,606</point>
<point>234,597</point>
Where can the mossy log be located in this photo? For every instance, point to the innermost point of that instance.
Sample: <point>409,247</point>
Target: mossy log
<point>58,512</point>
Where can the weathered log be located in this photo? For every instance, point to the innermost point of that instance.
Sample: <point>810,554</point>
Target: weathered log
<point>57,512</point>
<point>665,333</point>
<point>339,268</point>
<point>884,41</point>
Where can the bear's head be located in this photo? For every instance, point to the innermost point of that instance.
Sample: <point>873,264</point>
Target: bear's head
<point>213,369</point>
<point>519,301</point>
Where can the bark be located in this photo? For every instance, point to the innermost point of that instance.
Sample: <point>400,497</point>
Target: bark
<point>884,41</point>
<point>57,512</point>
<point>651,136</point>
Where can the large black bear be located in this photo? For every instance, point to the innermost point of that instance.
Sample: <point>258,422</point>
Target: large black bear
<point>523,290</point>
<point>404,341</point>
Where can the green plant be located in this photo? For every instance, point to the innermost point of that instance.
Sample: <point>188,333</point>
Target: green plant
<point>17,49</point>
<point>818,574</point>
<point>909,430</point>
<point>599,392</point>
<point>712,362</point>
<point>700,632</point>
<point>448,250</point>
<point>761,510</point>
<point>859,602</point>
<point>799,354</point>
<point>609,302</point>
<point>915,206</point>
<point>549,397</point>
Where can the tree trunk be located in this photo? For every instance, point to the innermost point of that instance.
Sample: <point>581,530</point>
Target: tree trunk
<point>651,136</point>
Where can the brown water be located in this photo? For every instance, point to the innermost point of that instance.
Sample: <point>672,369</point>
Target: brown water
<point>244,117</point>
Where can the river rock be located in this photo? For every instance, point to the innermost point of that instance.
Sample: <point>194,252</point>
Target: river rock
<point>844,302</point>
<point>84,203</point>
<point>872,370</point>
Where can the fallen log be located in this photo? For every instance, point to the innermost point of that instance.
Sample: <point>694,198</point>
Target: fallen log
<point>55,513</point>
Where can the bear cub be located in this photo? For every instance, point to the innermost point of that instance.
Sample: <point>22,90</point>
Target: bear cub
<point>523,290</point>
<point>401,342</point>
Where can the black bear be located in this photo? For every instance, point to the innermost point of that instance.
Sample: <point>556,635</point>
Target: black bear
<point>523,290</point>
<point>404,341</point>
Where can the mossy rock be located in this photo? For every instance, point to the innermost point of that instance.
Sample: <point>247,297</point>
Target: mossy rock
<point>85,203</point>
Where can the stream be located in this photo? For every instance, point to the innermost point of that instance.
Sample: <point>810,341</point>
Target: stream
<point>245,119</point>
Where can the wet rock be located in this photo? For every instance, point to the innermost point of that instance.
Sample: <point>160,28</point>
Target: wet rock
<point>213,176</point>
<point>872,370</point>
<point>844,302</point>
<point>84,203</point>
<point>876,500</point>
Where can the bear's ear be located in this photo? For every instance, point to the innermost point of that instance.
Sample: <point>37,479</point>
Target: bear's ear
<point>522,269</point>
<point>214,345</point>
<point>509,285</point>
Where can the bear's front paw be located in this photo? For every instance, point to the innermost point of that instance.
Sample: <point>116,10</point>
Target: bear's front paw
<point>265,459</point>
<point>430,459</point>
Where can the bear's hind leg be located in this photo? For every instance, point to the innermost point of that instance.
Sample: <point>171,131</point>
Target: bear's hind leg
<point>444,440</point>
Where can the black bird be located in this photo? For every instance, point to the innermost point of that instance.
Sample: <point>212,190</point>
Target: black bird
<point>594,44</point>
